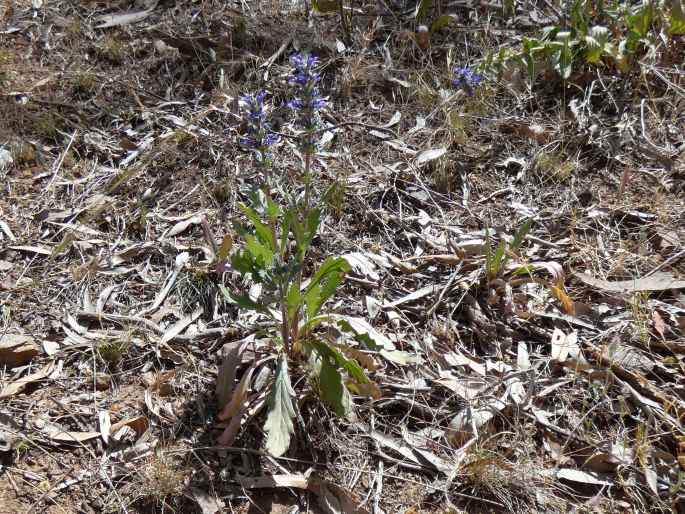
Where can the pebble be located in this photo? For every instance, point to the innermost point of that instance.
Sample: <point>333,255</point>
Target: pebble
<point>5,159</point>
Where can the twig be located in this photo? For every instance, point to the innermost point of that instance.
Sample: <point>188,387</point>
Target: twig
<point>667,262</point>
<point>61,160</point>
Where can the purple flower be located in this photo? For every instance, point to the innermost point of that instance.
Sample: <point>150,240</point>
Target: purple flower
<point>259,135</point>
<point>306,95</point>
<point>466,79</point>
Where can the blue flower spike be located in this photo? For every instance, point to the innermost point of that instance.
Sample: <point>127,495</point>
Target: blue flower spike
<point>259,134</point>
<point>307,99</point>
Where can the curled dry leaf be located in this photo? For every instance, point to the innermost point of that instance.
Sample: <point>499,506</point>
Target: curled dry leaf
<point>139,424</point>
<point>658,322</point>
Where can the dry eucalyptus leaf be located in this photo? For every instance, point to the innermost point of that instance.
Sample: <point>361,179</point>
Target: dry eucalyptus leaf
<point>18,385</point>
<point>16,349</point>
<point>656,282</point>
<point>582,477</point>
<point>430,155</point>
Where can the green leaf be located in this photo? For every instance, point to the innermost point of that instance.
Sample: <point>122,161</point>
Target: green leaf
<point>331,388</point>
<point>272,209</point>
<point>677,18</point>
<point>521,234</point>
<point>262,231</point>
<point>225,248</point>
<point>640,19</point>
<point>242,262</point>
<point>440,23</point>
<point>329,353</point>
<point>494,261</point>
<point>285,229</point>
<point>293,300</point>
<point>262,254</point>
<point>563,58</point>
<point>312,226</point>
<point>363,332</point>
<point>596,44</point>
<point>324,283</point>
<point>279,422</point>
<point>244,301</point>
<point>422,9</point>
<point>326,6</point>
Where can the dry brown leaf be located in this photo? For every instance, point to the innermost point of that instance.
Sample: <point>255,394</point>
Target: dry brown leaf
<point>124,18</point>
<point>208,504</point>
<point>472,422</point>
<point>369,389</point>
<point>231,353</point>
<point>582,477</point>
<point>656,282</point>
<point>229,434</point>
<point>139,424</point>
<point>659,325</point>
<point>236,403</point>
<point>567,305</point>
<point>17,386</point>
<point>40,250</point>
<point>55,433</point>
<point>16,349</point>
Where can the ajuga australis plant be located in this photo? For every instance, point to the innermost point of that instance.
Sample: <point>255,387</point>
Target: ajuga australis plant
<point>277,238</point>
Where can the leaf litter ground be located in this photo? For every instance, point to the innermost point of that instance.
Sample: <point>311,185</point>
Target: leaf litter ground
<point>554,384</point>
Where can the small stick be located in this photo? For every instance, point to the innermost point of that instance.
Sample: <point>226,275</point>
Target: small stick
<point>61,160</point>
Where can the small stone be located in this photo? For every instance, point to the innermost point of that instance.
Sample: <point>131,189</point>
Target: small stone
<point>5,159</point>
<point>103,381</point>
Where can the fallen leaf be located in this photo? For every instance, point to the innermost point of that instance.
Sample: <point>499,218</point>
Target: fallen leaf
<point>656,282</point>
<point>16,349</point>
<point>659,324</point>
<point>582,477</point>
<point>40,250</point>
<point>430,155</point>
<point>471,422</point>
<point>331,498</point>
<point>567,305</point>
<point>17,386</point>
<point>559,347</point>
<point>181,325</point>
<point>139,424</point>
<point>208,504</point>
<point>238,398</point>
<point>124,18</point>
<point>182,226</point>
<point>231,357</point>
<point>105,425</point>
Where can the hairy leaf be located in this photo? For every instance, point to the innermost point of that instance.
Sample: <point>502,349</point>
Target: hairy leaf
<point>262,230</point>
<point>331,354</point>
<point>324,283</point>
<point>293,300</point>
<point>279,422</point>
<point>331,387</point>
